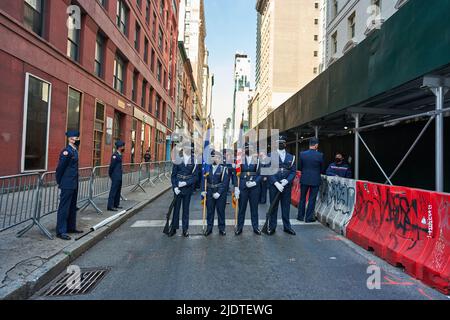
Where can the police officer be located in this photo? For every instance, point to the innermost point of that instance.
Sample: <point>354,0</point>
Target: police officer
<point>67,179</point>
<point>248,191</point>
<point>184,177</point>
<point>281,182</point>
<point>115,173</point>
<point>216,194</point>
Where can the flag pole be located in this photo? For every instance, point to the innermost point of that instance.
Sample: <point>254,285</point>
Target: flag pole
<point>237,202</point>
<point>204,201</point>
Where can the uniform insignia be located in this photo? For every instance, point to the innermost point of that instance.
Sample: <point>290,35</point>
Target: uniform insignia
<point>65,153</point>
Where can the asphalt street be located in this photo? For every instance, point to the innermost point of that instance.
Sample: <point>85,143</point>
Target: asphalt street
<point>315,264</point>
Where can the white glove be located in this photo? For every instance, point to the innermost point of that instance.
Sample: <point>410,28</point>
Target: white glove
<point>177,191</point>
<point>284,182</point>
<point>203,194</point>
<point>279,186</point>
<point>250,184</point>
<point>216,195</point>
<point>236,192</point>
<point>182,184</point>
<point>233,166</point>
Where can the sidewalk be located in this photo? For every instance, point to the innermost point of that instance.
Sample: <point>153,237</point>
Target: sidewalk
<point>27,263</point>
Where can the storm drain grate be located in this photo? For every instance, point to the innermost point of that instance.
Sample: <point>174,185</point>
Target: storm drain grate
<point>67,285</point>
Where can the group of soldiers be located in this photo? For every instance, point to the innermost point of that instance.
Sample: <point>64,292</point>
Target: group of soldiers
<point>250,185</point>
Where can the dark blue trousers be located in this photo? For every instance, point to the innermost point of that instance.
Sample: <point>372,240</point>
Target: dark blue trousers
<point>114,193</point>
<point>67,211</point>
<point>184,199</point>
<point>263,193</point>
<point>248,196</point>
<point>285,201</point>
<point>214,205</point>
<point>313,191</point>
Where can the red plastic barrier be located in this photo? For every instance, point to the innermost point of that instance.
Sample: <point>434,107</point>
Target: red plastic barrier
<point>405,226</point>
<point>295,192</point>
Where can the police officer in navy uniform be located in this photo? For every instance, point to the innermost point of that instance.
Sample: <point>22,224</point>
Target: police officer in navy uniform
<point>115,173</point>
<point>183,178</point>
<point>281,182</point>
<point>311,166</point>
<point>216,194</point>
<point>248,191</point>
<point>67,179</point>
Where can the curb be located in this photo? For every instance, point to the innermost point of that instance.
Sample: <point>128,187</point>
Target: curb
<point>35,281</point>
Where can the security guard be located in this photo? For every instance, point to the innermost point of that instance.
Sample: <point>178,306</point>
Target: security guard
<point>67,179</point>
<point>216,194</point>
<point>281,181</point>
<point>115,173</point>
<point>184,177</point>
<point>248,191</point>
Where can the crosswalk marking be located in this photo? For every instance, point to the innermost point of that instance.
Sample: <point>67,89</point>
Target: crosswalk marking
<point>199,222</point>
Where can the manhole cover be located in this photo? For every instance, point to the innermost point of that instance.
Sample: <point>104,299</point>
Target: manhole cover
<point>68,286</point>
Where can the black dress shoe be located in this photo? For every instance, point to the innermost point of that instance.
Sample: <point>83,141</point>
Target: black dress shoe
<point>112,209</point>
<point>270,232</point>
<point>290,231</point>
<point>75,231</point>
<point>63,236</point>
<point>238,232</point>
<point>300,219</point>
<point>222,233</point>
<point>118,207</point>
<point>207,233</point>
<point>185,233</point>
<point>172,232</point>
<point>311,221</point>
<point>257,231</point>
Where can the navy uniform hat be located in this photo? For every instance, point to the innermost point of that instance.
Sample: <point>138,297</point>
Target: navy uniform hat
<point>119,143</point>
<point>282,138</point>
<point>313,141</point>
<point>72,133</point>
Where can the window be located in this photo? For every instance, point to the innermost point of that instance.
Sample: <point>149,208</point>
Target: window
<point>99,55</point>
<point>36,124</point>
<point>137,35</point>
<point>315,53</point>
<point>186,39</point>
<point>147,12</point>
<point>165,79</point>
<point>73,110</point>
<point>335,8</point>
<point>316,21</point>
<point>33,15</point>
<point>160,39</point>
<point>316,5</point>
<point>169,118</point>
<point>139,3</point>
<point>152,64</point>
<point>315,70</point>
<point>161,8</point>
<point>150,100</point>
<point>122,16</point>
<point>351,25</point>
<point>316,37</point>
<point>99,125</point>
<point>154,25</point>
<point>103,3</point>
<point>73,44</point>
<point>187,16</point>
<point>187,27</point>
<point>133,139</point>
<point>135,84</point>
<point>118,74</point>
<point>334,43</point>
<point>188,3</point>
<point>157,106</point>
<point>144,94</point>
<point>146,50</point>
<point>142,140</point>
<point>159,71</point>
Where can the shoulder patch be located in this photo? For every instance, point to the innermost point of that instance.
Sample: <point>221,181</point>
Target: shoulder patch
<point>65,152</point>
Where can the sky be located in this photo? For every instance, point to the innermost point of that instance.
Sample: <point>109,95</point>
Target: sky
<point>230,28</point>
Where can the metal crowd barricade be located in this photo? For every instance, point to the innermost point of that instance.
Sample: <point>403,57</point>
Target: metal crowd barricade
<point>19,195</point>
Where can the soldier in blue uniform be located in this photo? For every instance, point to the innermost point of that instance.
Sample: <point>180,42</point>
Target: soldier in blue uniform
<point>184,177</point>
<point>311,166</point>
<point>248,191</point>
<point>67,179</point>
<point>216,194</point>
<point>115,173</point>
<point>281,182</point>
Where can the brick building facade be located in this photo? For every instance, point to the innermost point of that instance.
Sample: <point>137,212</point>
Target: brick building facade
<point>112,78</point>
